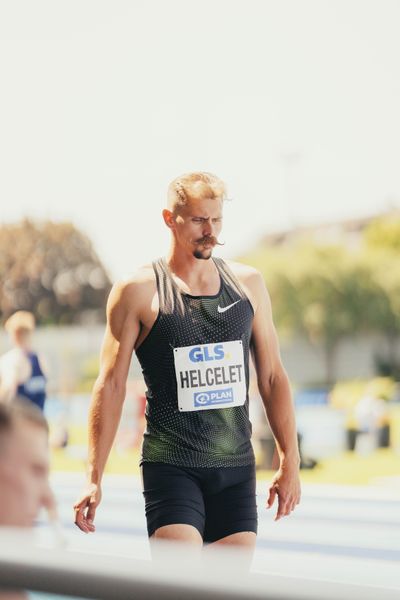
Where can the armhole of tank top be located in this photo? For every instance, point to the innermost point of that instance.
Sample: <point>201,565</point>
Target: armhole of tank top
<point>166,287</point>
<point>155,266</point>
<point>228,276</point>
<point>171,295</point>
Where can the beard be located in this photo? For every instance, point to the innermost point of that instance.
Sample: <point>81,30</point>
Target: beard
<point>208,243</point>
<point>200,254</point>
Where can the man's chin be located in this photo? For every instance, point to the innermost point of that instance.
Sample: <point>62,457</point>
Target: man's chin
<point>203,254</point>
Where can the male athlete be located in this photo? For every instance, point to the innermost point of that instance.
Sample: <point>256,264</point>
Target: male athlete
<point>192,320</point>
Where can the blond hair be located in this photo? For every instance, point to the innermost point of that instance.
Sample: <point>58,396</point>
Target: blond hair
<point>194,186</point>
<point>22,320</point>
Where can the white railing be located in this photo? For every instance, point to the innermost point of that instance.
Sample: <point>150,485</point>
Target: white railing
<point>178,573</point>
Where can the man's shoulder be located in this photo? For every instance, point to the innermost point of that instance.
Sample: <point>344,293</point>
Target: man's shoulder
<point>140,277</point>
<point>243,272</point>
<point>251,280</point>
<point>135,286</point>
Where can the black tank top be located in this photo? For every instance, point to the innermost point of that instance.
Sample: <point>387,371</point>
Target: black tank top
<point>215,437</point>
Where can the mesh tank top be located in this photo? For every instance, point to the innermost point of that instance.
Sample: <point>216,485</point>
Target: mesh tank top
<point>210,332</point>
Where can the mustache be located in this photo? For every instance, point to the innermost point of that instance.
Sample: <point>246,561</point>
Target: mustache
<point>209,239</point>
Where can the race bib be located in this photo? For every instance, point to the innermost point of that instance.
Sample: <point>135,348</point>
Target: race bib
<point>210,376</point>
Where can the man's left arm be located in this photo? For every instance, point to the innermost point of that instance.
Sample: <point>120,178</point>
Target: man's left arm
<point>274,387</point>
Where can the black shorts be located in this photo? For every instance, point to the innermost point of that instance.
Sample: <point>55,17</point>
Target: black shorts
<point>217,501</point>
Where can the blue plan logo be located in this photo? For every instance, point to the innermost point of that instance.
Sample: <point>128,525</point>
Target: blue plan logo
<point>213,397</point>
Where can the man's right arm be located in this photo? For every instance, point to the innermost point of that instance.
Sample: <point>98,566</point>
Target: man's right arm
<point>108,395</point>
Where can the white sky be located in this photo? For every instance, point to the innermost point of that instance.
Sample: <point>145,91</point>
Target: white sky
<point>295,104</point>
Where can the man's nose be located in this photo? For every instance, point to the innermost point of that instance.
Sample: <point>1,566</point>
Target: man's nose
<point>207,228</point>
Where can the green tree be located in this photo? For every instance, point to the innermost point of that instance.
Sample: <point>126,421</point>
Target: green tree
<point>385,316</point>
<point>382,252</point>
<point>329,299</point>
<point>324,293</point>
<point>383,233</point>
<point>52,270</point>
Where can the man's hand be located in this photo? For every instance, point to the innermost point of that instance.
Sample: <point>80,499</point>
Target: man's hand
<point>285,485</point>
<point>85,508</point>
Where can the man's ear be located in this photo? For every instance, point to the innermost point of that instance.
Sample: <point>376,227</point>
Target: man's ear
<point>169,219</point>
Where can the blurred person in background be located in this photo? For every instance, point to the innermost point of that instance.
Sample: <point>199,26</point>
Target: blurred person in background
<point>24,464</point>
<point>22,372</point>
<point>371,416</point>
<point>24,470</point>
<point>193,321</point>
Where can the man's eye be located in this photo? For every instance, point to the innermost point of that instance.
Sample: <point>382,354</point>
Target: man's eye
<point>197,220</point>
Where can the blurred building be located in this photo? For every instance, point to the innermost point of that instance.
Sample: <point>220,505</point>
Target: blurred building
<point>346,233</point>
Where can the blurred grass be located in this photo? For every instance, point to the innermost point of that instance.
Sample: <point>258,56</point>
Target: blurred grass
<point>347,468</point>
<point>73,458</point>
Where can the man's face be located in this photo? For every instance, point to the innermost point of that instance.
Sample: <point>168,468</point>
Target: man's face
<point>24,469</point>
<point>198,225</point>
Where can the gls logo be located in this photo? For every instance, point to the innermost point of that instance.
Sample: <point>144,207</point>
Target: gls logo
<point>198,354</point>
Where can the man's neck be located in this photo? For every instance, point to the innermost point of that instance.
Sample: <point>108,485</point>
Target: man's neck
<point>197,274</point>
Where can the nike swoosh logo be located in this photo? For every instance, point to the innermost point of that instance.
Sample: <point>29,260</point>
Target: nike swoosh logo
<point>225,308</point>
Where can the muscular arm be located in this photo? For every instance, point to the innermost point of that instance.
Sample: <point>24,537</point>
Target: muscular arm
<point>272,379</point>
<point>274,387</point>
<point>122,330</point>
<point>108,395</point>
